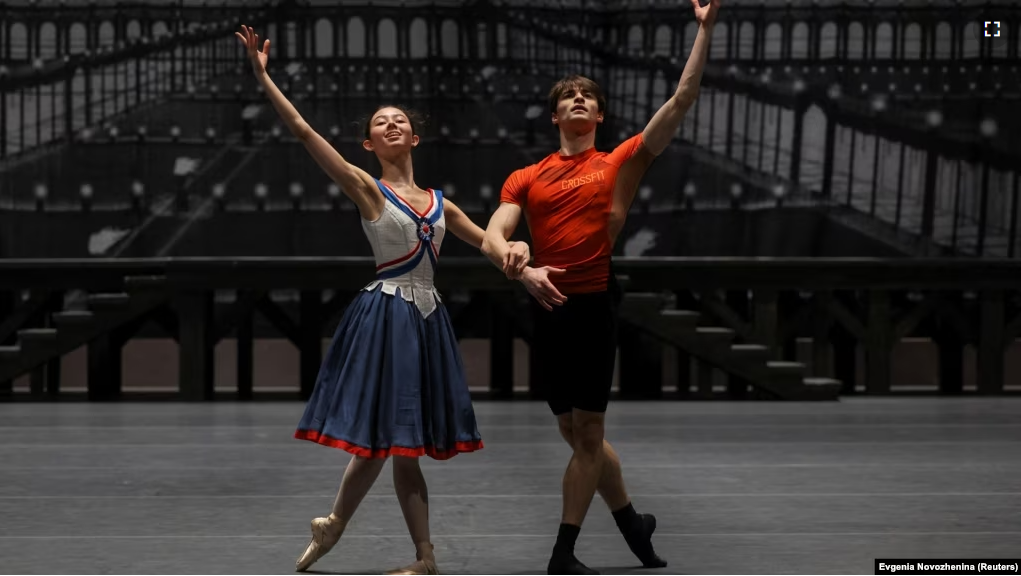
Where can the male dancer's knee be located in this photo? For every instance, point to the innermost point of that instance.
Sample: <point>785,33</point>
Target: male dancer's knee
<point>566,426</point>
<point>587,435</point>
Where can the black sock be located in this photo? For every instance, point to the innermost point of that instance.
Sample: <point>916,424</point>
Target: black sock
<point>626,518</point>
<point>563,560</point>
<point>566,538</point>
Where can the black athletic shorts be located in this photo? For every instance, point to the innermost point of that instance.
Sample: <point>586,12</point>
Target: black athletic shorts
<point>576,349</point>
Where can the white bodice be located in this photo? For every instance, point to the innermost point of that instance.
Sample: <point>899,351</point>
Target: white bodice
<point>406,246</point>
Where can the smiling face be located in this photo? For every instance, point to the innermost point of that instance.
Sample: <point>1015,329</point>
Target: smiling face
<point>390,133</point>
<point>576,104</point>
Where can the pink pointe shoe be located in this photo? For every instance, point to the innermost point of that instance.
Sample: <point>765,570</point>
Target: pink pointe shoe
<point>426,563</point>
<point>325,535</point>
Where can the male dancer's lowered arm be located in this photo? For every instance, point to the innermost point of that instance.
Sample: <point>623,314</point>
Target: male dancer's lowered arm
<point>501,226</point>
<point>462,226</point>
<point>664,124</point>
<point>354,181</point>
<point>495,246</point>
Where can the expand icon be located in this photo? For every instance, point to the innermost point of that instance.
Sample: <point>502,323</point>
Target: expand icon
<point>992,32</point>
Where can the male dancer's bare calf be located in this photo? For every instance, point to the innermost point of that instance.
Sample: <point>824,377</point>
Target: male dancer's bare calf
<point>575,202</point>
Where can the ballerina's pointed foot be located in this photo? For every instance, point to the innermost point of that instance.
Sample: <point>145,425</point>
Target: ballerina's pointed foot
<point>418,567</point>
<point>426,563</point>
<point>326,533</point>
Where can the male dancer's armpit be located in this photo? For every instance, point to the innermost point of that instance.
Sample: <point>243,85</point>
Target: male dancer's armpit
<point>625,187</point>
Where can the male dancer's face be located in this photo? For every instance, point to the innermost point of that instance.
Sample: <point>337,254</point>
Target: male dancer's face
<point>390,133</point>
<point>577,111</point>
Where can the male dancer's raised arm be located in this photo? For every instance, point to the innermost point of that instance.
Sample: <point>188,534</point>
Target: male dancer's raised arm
<point>664,124</point>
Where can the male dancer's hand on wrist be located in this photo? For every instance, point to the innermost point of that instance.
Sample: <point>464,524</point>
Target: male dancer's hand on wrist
<point>538,284</point>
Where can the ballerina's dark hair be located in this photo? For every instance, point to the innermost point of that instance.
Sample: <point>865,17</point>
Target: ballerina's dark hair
<point>416,119</point>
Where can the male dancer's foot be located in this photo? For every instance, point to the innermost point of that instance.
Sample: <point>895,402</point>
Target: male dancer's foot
<point>426,563</point>
<point>637,530</point>
<point>563,560</point>
<point>326,533</point>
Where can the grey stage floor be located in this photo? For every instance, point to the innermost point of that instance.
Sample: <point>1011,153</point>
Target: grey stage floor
<point>739,488</point>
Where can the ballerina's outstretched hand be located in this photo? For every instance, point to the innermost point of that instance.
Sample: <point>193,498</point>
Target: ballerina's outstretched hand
<point>250,40</point>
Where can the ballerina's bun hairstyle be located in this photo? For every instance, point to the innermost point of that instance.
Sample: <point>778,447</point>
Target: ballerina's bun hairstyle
<point>417,120</point>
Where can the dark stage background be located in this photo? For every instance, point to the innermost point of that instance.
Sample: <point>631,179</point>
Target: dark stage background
<point>840,208</point>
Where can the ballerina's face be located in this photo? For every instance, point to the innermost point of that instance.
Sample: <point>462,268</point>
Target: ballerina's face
<point>390,132</point>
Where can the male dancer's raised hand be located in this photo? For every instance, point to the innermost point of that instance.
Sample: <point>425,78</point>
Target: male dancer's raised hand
<point>706,14</point>
<point>250,40</point>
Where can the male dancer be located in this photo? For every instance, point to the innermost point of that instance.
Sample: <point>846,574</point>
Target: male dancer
<point>575,202</point>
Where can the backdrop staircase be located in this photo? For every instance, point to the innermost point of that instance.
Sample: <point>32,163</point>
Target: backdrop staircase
<point>71,329</point>
<point>749,362</point>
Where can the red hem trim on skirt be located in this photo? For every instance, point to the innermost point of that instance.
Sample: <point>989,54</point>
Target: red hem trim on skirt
<point>431,451</point>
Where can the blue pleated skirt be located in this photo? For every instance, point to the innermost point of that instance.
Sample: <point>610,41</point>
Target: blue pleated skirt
<point>392,383</point>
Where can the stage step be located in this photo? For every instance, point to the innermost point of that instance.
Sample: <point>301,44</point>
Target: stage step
<point>786,375</point>
<point>37,334</point>
<point>9,352</point>
<point>34,339</point>
<point>750,352</point>
<point>822,388</point>
<point>140,283</point>
<point>644,301</point>
<point>715,337</point>
<point>686,318</point>
<point>715,332</point>
<point>108,301</point>
<point>796,368</point>
<point>74,318</point>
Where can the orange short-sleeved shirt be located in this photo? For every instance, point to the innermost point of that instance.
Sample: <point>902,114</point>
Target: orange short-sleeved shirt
<point>567,201</point>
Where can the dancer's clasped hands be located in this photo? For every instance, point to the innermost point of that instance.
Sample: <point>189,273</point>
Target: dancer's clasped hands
<point>516,259</point>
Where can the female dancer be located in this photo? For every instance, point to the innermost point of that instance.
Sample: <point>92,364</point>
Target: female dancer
<point>392,382</point>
